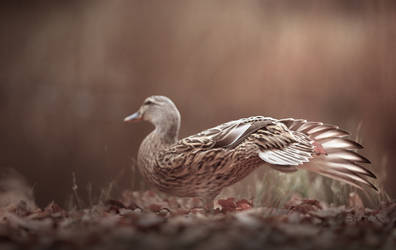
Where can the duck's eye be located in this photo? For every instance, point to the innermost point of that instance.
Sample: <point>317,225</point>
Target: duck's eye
<point>148,102</point>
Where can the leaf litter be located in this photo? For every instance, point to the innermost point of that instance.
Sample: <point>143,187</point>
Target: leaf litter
<point>144,220</point>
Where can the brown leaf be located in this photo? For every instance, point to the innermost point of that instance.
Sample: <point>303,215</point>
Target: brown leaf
<point>227,205</point>
<point>155,208</point>
<point>303,206</point>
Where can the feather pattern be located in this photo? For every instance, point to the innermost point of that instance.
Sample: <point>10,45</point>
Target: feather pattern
<point>203,164</point>
<point>336,157</point>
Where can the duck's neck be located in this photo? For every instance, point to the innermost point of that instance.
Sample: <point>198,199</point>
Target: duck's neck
<point>165,134</point>
<point>168,134</point>
<point>167,130</point>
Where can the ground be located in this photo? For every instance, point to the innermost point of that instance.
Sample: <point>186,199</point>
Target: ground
<point>144,220</point>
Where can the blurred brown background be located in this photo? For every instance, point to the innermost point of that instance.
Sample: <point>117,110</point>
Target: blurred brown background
<point>71,70</point>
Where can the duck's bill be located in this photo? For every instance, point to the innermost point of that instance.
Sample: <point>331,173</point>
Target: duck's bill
<point>134,117</point>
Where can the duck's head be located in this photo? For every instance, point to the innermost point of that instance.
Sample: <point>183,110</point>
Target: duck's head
<point>158,110</point>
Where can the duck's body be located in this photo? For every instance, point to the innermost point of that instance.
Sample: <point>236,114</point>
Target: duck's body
<point>203,164</point>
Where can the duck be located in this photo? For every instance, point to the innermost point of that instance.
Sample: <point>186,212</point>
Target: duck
<point>203,164</point>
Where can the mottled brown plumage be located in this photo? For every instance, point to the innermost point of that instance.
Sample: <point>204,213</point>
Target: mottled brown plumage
<point>203,164</point>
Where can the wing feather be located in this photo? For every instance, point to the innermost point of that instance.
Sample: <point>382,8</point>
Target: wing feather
<point>328,133</point>
<point>339,143</point>
<point>346,155</point>
<point>336,156</point>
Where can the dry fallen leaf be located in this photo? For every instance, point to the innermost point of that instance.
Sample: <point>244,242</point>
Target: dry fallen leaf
<point>174,223</point>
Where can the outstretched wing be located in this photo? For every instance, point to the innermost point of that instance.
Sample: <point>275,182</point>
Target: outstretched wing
<point>278,145</point>
<point>286,145</point>
<point>334,155</point>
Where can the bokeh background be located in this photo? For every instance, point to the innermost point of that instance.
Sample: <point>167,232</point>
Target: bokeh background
<point>71,70</point>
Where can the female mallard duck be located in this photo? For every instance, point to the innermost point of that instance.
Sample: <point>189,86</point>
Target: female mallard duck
<point>203,164</point>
